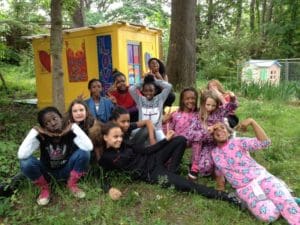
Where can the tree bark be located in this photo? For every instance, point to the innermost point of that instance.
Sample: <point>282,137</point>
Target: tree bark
<point>239,17</point>
<point>252,15</point>
<point>257,3</point>
<point>56,39</point>
<point>78,15</point>
<point>181,65</point>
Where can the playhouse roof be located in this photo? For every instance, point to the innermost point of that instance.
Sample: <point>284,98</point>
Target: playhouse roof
<point>119,23</point>
<point>263,63</point>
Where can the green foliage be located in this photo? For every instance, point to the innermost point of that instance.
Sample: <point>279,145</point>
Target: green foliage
<point>285,91</point>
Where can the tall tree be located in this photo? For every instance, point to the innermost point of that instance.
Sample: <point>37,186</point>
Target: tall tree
<point>56,39</point>
<point>181,64</point>
<point>78,14</point>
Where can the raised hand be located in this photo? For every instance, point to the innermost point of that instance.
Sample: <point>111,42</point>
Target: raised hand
<point>170,134</point>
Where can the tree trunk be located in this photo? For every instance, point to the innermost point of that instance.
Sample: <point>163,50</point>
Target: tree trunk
<point>181,66</point>
<point>239,17</point>
<point>257,3</point>
<point>58,98</point>
<point>210,17</point>
<point>252,16</point>
<point>78,15</point>
<point>270,12</point>
<point>263,18</point>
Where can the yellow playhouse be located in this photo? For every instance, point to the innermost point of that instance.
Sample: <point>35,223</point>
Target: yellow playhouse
<point>93,52</point>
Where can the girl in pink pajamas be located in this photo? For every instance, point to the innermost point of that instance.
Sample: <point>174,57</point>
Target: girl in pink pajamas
<point>213,109</point>
<point>266,196</point>
<point>181,120</point>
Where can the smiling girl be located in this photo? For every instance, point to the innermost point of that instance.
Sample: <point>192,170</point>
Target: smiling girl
<point>64,153</point>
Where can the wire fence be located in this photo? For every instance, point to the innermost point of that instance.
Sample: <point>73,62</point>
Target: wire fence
<point>290,69</point>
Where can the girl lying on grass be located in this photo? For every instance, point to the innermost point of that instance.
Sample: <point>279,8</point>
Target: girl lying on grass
<point>64,154</point>
<point>266,197</point>
<point>148,164</point>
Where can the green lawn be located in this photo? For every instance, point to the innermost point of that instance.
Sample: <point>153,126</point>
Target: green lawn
<point>143,203</point>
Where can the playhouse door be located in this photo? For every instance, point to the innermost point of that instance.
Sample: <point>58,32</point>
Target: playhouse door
<point>134,63</point>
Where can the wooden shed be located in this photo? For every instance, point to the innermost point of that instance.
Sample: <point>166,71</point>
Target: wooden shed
<point>261,71</point>
<point>93,52</point>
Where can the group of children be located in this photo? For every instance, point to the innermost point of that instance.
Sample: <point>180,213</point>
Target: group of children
<point>149,152</point>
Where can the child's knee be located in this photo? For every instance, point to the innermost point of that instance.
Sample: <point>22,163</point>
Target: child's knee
<point>28,164</point>
<point>83,155</point>
<point>266,211</point>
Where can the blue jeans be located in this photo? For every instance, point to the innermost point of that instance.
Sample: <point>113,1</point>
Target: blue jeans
<point>34,168</point>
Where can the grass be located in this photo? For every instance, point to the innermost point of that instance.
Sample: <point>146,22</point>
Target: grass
<point>141,203</point>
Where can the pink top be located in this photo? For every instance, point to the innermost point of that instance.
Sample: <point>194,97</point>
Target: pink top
<point>234,162</point>
<point>180,122</point>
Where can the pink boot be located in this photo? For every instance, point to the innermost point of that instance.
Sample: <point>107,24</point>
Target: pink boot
<point>44,196</point>
<point>72,184</point>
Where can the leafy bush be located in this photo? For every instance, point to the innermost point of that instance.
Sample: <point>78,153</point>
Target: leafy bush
<point>285,91</point>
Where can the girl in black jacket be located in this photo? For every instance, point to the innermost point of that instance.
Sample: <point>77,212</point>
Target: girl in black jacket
<point>148,163</point>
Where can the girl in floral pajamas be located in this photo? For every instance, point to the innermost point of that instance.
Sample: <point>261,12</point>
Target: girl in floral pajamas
<point>266,196</point>
<point>213,109</point>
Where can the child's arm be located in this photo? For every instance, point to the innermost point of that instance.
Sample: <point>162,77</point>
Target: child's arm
<point>29,145</point>
<point>156,147</point>
<point>258,130</point>
<point>166,88</point>
<point>196,132</point>
<point>134,92</point>
<point>229,107</point>
<point>81,139</point>
<point>251,144</point>
<point>150,128</point>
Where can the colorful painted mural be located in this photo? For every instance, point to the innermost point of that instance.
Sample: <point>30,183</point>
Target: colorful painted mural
<point>105,61</point>
<point>76,60</point>
<point>44,61</point>
<point>134,65</point>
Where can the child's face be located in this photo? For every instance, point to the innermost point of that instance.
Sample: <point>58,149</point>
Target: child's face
<point>114,138</point>
<point>210,105</point>
<point>96,88</point>
<point>154,66</point>
<point>120,83</point>
<point>52,122</point>
<point>78,113</point>
<point>220,134</point>
<point>189,100</point>
<point>123,122</point>
<point>149,91</point>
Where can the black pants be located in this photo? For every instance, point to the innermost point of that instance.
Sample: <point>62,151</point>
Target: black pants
<point>167,177</point>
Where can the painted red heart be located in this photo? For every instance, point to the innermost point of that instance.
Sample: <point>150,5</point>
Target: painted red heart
<point>45,60</point>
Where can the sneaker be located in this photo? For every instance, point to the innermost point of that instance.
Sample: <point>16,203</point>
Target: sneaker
<point>193,175</point>
<point>233,198</point>
<point>77,192</point>
<point>44,197</point>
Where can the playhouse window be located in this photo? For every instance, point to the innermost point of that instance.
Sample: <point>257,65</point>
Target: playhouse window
<point>134,62</point>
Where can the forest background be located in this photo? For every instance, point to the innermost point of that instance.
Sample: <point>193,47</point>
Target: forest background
<point>228,33</point>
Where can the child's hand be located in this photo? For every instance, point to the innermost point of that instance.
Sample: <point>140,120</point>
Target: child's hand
<point>170,134</point>
<point>112,98</point>
<point>66,130</point>
<point>114,193</point>
<point>81,97</point>
<point>210,129</point>
<point>242,126</point>
<point>166,117</point>
<point>42,132</point>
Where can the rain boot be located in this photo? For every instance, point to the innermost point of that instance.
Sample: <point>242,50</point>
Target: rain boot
<point>72,184</point>
<point>44,196</point>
